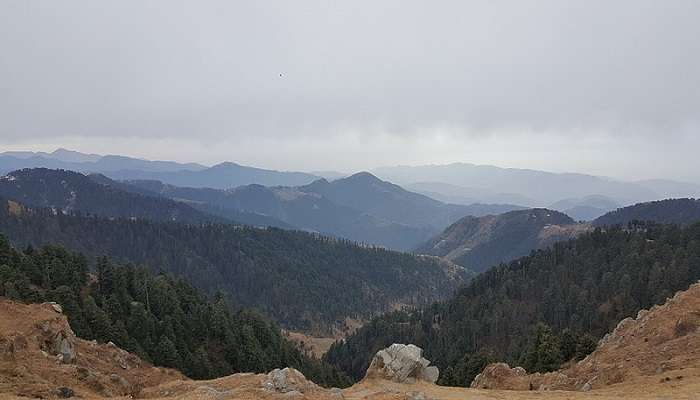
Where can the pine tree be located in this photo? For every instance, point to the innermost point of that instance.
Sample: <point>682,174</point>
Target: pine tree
<point>202,367</point>
<point>166,354</point>
<point>568,344</point>
<point>98,320</point>
<point>585,345</point>
<point>543,353</point>
<point>105,278</point>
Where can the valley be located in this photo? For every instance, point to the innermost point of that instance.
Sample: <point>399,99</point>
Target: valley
<point>295,277</point>
<point>305,277</point>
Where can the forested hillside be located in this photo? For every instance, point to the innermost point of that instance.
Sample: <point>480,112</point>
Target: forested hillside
<point>368,194</point>
<point>538,310</point>
<point>209,201</point>
<point>303,281</point>
<point>481,242</point>
<point>68,191</point>
<point>163,320</point>
<point>670,211</point>
<point>360,207</point>
<point>293,207</point>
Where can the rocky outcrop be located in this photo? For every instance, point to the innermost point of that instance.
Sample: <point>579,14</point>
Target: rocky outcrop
<point>502,376</point>
<point>56,307</point>
<point>403,364</point>
<point>499,375</point>
<point>41,357</point>
<point>62,346</point>
<point>56,336</point>
<point>287,380</point>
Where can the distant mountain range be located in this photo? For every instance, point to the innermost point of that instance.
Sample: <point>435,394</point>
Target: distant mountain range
<point>468,195</point>
<point>586,208</point>
<point>458,183</point>
<point>58,154</point>
<point>361,208</point>
<point>221,176</point>
<point>75,161</point>
<point>485,183</point>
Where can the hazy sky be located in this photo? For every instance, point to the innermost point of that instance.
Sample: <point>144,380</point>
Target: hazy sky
<point>605,87</point>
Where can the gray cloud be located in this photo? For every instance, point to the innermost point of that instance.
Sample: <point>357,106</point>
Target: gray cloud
<point>472,77</point>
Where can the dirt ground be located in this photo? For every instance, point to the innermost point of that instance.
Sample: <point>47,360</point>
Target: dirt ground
<point>247,387</point>
<point>317,345</point>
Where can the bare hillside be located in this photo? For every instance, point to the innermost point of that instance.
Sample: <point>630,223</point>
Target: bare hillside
<point>40,357</point>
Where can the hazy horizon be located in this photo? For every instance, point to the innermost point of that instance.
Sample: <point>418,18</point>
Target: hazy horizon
<point>594,87</point>
<point>321,172</point>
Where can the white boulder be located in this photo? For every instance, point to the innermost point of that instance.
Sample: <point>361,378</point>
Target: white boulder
<point>402,363</point>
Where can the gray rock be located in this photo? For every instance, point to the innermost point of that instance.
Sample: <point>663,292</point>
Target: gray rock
<point>402,363</point>
<point>65,392</point>
<point>430,374</point>
<point>125,385</point>
<point>586,387</point>
<point>56,307</point>
<point>63,346</point>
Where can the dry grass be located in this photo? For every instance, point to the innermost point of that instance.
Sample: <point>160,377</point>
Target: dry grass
<point>318,346</point>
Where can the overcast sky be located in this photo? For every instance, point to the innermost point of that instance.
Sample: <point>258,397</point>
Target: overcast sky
<point>604,87</point>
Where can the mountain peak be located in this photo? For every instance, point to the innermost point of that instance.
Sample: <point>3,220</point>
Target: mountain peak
<point>63,151</point>
<point>67,155</point>
<point>226,164</point>
<point>363,176</point>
